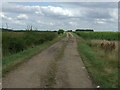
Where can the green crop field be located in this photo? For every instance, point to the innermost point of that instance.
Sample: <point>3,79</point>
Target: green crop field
<point>14,42</point>
<point>99,35</point>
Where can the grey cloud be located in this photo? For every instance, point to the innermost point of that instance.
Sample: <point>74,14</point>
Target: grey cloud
<point>91,4</point>
<point>77,15</point>
<point>98,13</point>
<point>13,8</point>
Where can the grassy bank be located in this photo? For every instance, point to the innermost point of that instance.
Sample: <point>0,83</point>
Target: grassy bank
<point>14,60</point>
<point>102,69</point>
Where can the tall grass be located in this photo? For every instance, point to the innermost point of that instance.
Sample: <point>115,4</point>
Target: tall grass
<point>102,66</point>
<point>14,42</point>
<point>99,35</point>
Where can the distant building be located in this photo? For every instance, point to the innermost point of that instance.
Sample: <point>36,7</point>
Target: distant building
<point>90,30</point>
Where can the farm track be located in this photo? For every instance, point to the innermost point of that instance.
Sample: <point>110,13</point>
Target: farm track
<point>59,66</point>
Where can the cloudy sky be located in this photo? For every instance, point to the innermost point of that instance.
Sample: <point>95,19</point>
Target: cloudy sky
<point>99,16</point>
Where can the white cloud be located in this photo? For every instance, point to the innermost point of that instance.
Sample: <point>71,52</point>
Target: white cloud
<point>101,21</point>
<point>22,16</point>
<point>59,11</point>
<point>2,15</point>
<point>72,23</point>
<point>7,19</point>
<point>114,13</point>
<point>76,15</point>
<point>51,23</point>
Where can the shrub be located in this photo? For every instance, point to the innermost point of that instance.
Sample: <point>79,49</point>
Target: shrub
<point>61,31</point>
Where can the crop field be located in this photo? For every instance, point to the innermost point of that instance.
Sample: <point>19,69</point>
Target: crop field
<point>99,51</point>
<point>14,42</point>
<point>100,35</point>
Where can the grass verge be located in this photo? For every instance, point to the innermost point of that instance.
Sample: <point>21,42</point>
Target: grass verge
<point>101,70</point>
<point>11,62</point>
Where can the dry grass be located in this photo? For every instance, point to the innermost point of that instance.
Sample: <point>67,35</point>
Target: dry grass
<point>98,42</point>
<point>111,57</point>
<point>102,66</point>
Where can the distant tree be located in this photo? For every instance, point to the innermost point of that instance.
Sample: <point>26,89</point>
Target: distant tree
<point>69,31</point>
<point>36,29</point>
<point>60,31</point>
<point>6,26</point>
<point>29,28</point>
<point>54,31</point>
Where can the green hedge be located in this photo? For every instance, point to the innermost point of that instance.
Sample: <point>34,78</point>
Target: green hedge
<point>13,42</point>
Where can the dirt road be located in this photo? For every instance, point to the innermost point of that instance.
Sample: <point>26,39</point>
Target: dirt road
<point>59,66</point>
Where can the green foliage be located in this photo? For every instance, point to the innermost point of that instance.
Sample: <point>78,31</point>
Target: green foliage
<point>61,31</point>
<point>14,42</point>
<point>99,35</point>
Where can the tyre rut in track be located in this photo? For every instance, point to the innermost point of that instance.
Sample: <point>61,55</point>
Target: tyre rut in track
<point>30,74</point>
<point>71,70</point>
